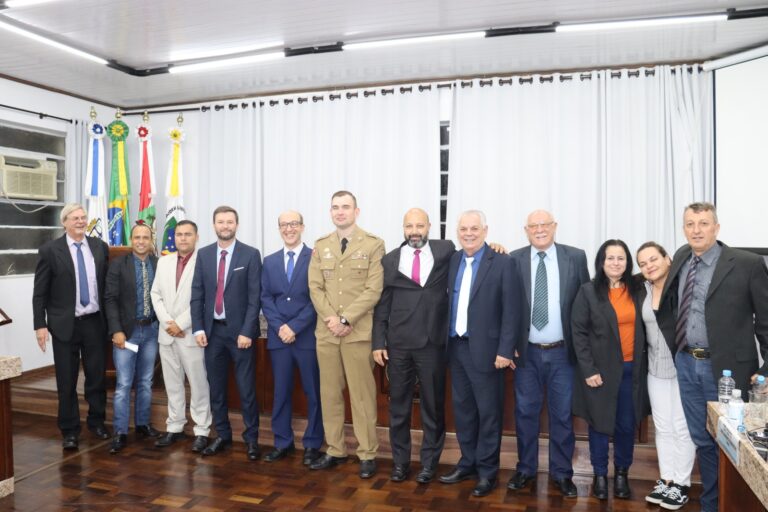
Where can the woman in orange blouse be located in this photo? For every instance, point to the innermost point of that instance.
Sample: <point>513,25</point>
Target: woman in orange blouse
<point>610,390</point>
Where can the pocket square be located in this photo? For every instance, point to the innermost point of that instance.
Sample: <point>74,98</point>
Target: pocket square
<point>238,268</point>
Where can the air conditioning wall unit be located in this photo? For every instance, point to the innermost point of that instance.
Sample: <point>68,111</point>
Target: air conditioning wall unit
<point>27,178</point>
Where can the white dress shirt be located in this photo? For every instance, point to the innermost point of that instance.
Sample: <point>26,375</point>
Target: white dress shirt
<point>426,262</point>
<point>90,270</point>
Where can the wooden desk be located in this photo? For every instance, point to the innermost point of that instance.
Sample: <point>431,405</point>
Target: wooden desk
<point>10,366</point>
<point>742,482</point>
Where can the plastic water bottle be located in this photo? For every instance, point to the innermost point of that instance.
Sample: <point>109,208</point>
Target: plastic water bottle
<point>760,390</point>
<point>725,387</point>
<point>736,409</point>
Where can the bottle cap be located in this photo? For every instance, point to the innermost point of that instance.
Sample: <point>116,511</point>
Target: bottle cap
<point>726,373</point>
<point>760,379</point>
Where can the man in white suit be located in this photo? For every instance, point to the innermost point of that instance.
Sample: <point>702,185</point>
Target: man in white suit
<point>179,353</point>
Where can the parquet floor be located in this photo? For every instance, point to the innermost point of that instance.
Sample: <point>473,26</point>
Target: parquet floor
<point>143,478</point>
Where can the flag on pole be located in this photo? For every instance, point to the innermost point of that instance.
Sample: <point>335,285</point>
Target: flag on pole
<point>147,190</point>
<point>120,186</point>
<point>174,191</point>
<point>95,187</point>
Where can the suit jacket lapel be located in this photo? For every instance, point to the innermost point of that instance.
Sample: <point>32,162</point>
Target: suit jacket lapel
<point>232,265</point>
<point>526,270</point>
<point>724,266</point>
<point>63,250</point>
<point>677,264</point>
<point>186,275</point>
<point>610,314</point>
<point>564,269</point>
<point>482,270</point>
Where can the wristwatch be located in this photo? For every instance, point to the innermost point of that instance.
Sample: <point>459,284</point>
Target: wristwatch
<point>344,321</point>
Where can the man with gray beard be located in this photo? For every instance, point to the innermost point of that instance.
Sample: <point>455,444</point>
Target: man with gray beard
<point>409,332</point>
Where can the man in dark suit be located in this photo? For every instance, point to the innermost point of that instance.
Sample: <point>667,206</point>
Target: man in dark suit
<point>552,275</point>
<point>132,323</point>
<point>291,342</point>
<point>66,301</point>
<point>225,320</point>
<point>409,332</point>
<point>714,304</point>
<point>485,297</point>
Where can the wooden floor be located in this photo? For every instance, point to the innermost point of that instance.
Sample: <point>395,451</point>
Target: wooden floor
<point>143,478</point>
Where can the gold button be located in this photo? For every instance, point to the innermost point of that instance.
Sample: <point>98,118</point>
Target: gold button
<point>341,266</point>
<point>339,293</point>
<point>339,279</point>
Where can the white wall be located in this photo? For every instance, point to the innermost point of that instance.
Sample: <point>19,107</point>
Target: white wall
<point>742,152</point>
<point>18,338</point>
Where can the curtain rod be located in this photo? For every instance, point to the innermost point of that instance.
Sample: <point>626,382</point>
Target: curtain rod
<point>633,73</point>
<point>41,115</point>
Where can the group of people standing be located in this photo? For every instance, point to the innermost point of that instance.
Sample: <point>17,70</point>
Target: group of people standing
<point>610,349</point>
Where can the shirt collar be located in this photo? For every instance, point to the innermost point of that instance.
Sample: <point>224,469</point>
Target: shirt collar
<point>478,255</point>
<point>229,249</point>
<point>71,241</point>
<point>551,252</point>
<point>185,259</point>
<point>710,255</point>
<point>296,250</point>
<point>412,250</point>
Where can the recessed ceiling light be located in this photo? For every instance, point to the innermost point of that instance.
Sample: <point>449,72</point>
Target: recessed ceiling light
<point>414,40</point>
<point>50,42</point>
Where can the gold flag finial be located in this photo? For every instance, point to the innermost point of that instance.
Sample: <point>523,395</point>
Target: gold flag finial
<point>180,119</point>
<point>145,116</point>
<point>93,113</point>
<point>118,113</point>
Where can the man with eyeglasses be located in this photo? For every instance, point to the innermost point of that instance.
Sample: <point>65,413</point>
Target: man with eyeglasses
<point>291,342</point>
<point>552,275</point>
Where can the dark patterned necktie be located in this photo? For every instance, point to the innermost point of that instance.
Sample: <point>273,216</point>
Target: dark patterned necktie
<point>685,304</point>
<point>540,316</point>
<point>82,276</point>
<point>145,283</point>
<point>343,245</point>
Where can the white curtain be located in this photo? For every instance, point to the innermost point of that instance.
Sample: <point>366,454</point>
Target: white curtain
<point>76,148</point>
<point>229,172</point>
<point>612,155</point>
<point>384,148</point>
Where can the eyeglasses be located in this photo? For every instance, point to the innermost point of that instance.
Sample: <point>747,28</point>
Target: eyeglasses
<point>542,225</point>
<point>293,224</point>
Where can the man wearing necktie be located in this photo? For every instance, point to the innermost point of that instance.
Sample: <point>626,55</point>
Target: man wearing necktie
<point>409,334</point>
<point>66,302</point>
<point>552,274</point>
<point>291,320</point>
<point>132,323</point>
<point>714,305</point>
<point>485,302</point>
<point>225,308</point>
<point>345,282</point>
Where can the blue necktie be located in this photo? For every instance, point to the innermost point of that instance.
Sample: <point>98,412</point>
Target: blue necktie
<point>82,276</point>
<point>289,268</point>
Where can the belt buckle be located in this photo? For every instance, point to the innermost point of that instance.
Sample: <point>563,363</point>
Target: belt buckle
<point>698,353</point>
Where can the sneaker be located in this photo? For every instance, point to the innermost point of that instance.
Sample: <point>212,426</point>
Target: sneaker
<point>676,497</point>
<point>658,493</point>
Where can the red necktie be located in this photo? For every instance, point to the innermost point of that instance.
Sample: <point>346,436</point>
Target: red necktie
<point>219,307</point>
<point>416,270</point>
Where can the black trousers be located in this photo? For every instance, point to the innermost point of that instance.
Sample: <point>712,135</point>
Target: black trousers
<point>407,367</point>
<point>88,342</point>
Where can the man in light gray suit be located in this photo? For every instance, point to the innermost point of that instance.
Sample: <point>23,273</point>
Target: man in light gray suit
<point>552,275</point>
<point>179,353</point>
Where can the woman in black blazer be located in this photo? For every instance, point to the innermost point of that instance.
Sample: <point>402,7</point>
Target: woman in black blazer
<point>610,390</point>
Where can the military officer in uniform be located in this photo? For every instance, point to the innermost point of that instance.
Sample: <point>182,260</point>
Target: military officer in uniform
<point>345,282</point>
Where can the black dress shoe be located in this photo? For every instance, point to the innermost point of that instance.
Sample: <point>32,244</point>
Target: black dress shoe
<point>100,431</point>
<point>367,468</point>
<point>279,453</point>
<point>621,484</point>
<point>310,456</point>
<point>169,438</point>
<point>425,475</point>
<point>484,487</point>
<point>199,444</point>
<point>519,481</point>
<point>566,487</point>
<point>118,443</point>
<point>327,461</point>
<point>600,487</point>
<point>147,431</point>
<point>70,442</point>
<point>399,472</point>
<point>457,475</point>
<point>252,450</point>
<point>216,446</point>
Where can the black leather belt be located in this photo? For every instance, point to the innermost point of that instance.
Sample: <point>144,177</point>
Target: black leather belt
<point>460,338</point>
<point>697,353</point>
<point>144,321</point>
<point>87,317</point>
<point>220,322</point>
<point>547,346</point>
